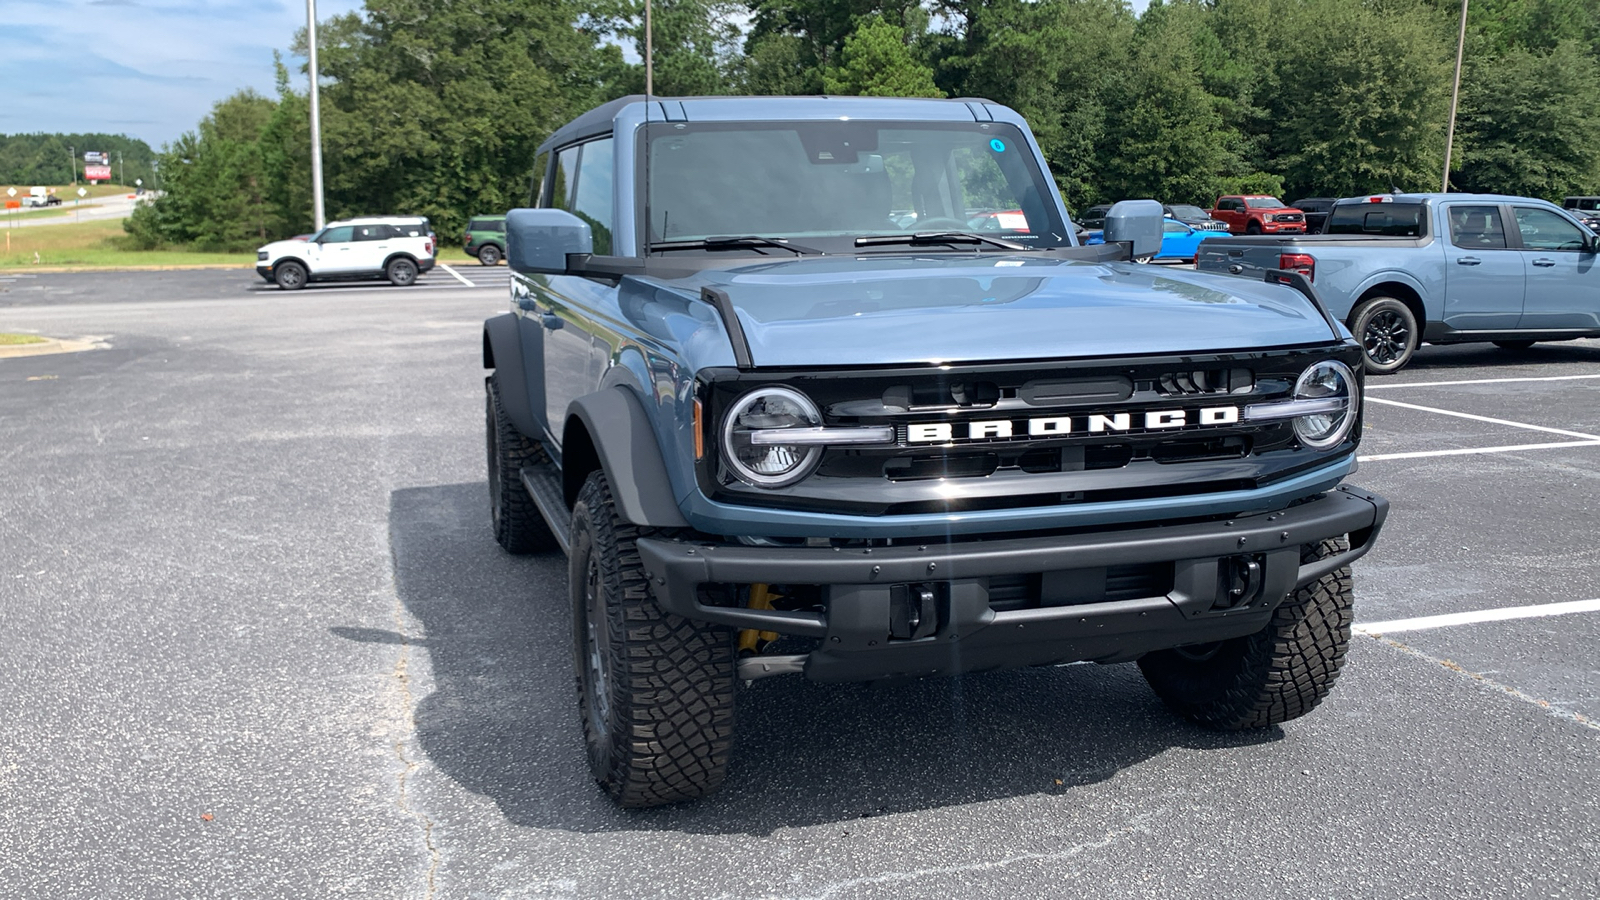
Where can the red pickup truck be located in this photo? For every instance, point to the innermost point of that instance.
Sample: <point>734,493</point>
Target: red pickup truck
<point>1258,214</point>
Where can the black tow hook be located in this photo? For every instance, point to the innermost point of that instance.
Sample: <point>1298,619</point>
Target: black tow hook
<point>913,611</point>
<point>1239,580</point>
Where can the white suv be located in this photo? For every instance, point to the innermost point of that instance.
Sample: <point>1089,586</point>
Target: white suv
<point>398,248</point>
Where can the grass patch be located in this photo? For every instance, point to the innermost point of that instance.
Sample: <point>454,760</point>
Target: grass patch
<point>12,340</point>
<point>42,213</point>
<point>99,244</point>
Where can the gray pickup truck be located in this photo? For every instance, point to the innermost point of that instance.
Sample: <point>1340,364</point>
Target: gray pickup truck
<point>1403,269</point>
<point>824,387</point>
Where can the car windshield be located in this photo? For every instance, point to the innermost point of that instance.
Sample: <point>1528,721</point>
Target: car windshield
<point>1189,212</point>
<point>1264,203</point>
<point>828,182</point>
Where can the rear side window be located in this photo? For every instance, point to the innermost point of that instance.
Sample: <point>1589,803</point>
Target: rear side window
<point>373,232</point>
<point>486,225</point>
<point>1476,227</point>
<point>1386,219</point>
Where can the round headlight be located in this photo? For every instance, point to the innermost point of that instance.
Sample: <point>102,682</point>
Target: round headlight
<point>766,410</point>
<point>1329,380</point>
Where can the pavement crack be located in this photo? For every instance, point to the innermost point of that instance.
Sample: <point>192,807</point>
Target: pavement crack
<point>409,766</point>
<point>1137,825</point>
<point>1482,679</point>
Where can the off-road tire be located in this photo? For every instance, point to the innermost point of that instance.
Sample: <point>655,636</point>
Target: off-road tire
<point>1387,330</point>
<point>518,526</point>
<point>1279,673</point>
<point>289,276</point>
<point>401,272</point>
<point>1252,228</point>
<point>1514,345</point>
<point>489,255</point>
<point>655,690</point>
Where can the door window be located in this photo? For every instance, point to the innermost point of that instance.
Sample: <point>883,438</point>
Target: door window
<point>341,234</point>
<point>1170,227</point>
<point>591,200</point>
<point>1477,228</point>
<point>559,184</point>
<point>1544,230</point>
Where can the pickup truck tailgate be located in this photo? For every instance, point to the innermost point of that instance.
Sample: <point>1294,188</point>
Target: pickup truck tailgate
<point>1247,256</point>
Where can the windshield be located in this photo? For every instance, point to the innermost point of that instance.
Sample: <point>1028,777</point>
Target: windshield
<point>1264,203</point>
<point>1189,212</point>
<point>816,181</point>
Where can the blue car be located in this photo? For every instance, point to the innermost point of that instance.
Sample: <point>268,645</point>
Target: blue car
<point>1178,241</point>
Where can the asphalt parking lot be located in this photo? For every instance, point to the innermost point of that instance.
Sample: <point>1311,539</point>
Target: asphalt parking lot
<point>259,642</point>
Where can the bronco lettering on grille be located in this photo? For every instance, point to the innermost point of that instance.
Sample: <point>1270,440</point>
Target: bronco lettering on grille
<point>1054,426</point>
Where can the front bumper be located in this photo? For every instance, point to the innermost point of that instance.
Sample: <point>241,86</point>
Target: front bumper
<point>265,271</point>
<point>861,585</point>
<point>1276,228</point>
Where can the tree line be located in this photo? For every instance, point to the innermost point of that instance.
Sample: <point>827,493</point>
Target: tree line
<point>43,159</point>
<point>436,109</point>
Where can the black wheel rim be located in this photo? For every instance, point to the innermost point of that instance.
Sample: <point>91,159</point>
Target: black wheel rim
<point>490,256</point>
<point>403,273</point>
<point>1386,337</point>
<point>597,665</point>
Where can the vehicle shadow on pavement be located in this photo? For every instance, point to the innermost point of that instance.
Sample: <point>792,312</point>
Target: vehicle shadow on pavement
<point>501,719</point>
<point>1444,357</point>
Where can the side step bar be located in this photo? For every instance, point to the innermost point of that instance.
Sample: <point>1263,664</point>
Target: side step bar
<point>543,484</point>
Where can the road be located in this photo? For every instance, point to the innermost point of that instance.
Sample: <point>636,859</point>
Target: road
<point>260,643</point>
<point>119,206</point>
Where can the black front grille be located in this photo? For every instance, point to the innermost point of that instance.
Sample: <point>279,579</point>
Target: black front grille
<point>1290,217</point>
<point>1077,587</point>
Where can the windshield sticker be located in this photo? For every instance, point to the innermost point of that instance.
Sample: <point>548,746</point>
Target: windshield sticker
<point>997,145</point>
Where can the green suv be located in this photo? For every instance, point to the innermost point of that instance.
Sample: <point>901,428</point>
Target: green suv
<point>486,239</point>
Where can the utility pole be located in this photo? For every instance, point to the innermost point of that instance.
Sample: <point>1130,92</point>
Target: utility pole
<point>1455,97</point>
<point>120,171</point>
<point>316,117</point>
<point>72,163</point>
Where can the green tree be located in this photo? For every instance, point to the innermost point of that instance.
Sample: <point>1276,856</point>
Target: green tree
<point>1520,130</point>
<point>875,61</point>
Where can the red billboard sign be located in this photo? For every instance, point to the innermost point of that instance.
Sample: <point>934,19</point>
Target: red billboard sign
<point>97,173</point>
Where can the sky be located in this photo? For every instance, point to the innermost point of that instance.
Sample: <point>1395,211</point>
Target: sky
<point>146,68</point>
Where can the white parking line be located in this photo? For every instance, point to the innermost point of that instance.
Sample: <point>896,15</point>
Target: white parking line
<point>1504,614</point>
<point>1469,451</point>
<point>1415,384</point>
<point>458,276</point>
<point>1488,419</point>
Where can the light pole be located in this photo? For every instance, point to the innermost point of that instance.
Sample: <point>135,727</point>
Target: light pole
<point>316,117</point>
<point>1455,97</point>
<point>121,172</point>
<point>72,163</point>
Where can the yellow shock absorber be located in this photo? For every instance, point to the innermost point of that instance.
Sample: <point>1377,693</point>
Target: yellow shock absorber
<point>751,640</point>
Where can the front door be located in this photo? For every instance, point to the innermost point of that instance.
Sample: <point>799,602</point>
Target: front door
<point>1483,273</point>
<point>1563,279</point>
<point>336,251</point>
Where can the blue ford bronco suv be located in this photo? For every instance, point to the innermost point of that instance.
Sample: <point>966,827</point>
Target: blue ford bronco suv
<point>825,386</point>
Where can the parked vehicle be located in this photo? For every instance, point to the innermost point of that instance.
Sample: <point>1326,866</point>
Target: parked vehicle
<point>778,435</point>
<point>1179,242</point>
<point>1095,216</point>
<point>1401,269</point>
<point>1587,209</point>
<point>1194,217</point>
<point>398,248</point>
<point>486,239</point>
<point>1316,212</point>
<point>1258,214</point>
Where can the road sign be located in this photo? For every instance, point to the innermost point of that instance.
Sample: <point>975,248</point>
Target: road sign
<point>11,192</point>
<point>83,192</point>
<point>138,182</point>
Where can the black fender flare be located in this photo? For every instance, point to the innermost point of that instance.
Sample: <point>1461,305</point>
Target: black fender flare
<point>610,430</point>
<point>398,254</point>
<point>294,259</point>
<point>502,351</point>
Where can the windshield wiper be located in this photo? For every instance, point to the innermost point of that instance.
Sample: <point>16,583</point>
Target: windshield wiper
<point>734,243</point>
<point>923,238</point>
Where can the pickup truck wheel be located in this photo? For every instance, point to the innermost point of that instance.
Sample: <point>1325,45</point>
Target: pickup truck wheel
<point>401,272</point>
<point>1387,330</point>
<point>290,276</point>
<point>1279,673</point>
<point>518,526</point>
<point>489,255</point>
<point>655,690</point>
<point>1514,345</point>
<point>1252,228</point>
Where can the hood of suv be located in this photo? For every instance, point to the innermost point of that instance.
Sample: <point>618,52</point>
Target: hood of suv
<point>908,309</point>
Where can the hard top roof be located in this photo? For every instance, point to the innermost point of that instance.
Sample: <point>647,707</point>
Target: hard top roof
<point>599,121</point>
